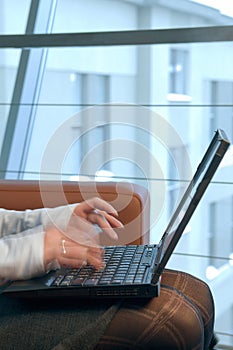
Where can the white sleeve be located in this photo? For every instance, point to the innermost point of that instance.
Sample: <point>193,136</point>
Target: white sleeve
<point>21,255</point>
<point>13,222</point>
<point>58,217</point>
<point>21,251</point>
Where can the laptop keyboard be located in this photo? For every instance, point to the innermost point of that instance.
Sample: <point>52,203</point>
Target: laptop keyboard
<point>123,265</point>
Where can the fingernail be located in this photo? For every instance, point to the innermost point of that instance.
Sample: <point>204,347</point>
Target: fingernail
<point>114,235</point>
<point>120,224</point>
<point>114,213</point>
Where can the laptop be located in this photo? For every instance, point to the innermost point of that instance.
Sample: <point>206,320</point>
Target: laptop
<point>130,271</point>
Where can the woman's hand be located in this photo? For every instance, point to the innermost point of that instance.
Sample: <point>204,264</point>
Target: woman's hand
<point>78,245</point>
<point>69,253</point>
<point>95,211</point>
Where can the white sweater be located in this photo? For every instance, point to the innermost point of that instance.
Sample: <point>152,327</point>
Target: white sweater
<point>22,239</point>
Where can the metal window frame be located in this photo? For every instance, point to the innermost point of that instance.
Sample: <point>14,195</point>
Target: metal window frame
<point>113,38</point>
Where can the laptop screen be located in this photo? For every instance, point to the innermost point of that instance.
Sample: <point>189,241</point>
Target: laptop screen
<point>192,195</point>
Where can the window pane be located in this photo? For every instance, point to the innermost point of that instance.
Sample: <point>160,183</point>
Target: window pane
<point>11,12</point>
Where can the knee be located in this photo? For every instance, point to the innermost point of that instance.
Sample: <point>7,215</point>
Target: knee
<point>179,326</point>
<point>199,293</point>
<point>194,288</point>
<point>170,321</point>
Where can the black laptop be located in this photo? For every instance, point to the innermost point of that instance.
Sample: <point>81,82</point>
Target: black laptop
<point>130,271</point>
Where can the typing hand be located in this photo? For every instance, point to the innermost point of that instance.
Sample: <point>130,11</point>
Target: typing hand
<point>79,244</point>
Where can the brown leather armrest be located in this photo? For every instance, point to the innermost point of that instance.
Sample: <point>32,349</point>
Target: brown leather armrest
<point>130,200</point>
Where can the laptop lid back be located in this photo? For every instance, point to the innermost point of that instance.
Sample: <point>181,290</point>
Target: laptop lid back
<point>191,199</point>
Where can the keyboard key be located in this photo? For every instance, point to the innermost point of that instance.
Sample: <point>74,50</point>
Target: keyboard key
<point>77,282</point>
<point>91,282</point>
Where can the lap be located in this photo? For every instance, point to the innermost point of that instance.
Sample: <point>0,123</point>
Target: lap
<point>180,318</point>
<point>39,324</point>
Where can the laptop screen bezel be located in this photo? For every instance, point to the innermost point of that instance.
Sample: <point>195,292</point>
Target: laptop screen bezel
<point>215,152</point>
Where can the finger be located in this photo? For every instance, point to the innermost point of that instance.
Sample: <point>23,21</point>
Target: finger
<point>95,261</point>
<point>77,256</point>
<point>76,250</point>
<point>71,263</point>
<point>95,203</point>
<point>103,223</point>
<point>114,222</point>
<point>77,263</point>
<point>99,217</point>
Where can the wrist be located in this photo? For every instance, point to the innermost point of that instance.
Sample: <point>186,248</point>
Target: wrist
<point>51,238</point>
